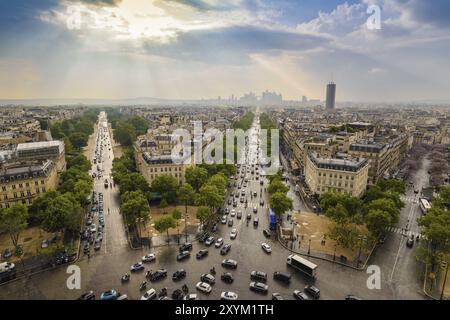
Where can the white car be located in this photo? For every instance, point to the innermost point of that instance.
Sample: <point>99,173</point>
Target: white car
<point>224,220</point>
<point>149,257</point>
<point>190,296</point>
<point>233,234</point>
<point>204,287</point>
<point>150,295</point>
<point>219,243</point>
<point>93,228</point>
<point>233,212</point>
<point>266,247</point>
<point>228,295</point>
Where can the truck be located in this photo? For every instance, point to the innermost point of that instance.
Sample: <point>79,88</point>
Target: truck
<point>272,220</point>
<point>302,265</point>
<point>7,271</point>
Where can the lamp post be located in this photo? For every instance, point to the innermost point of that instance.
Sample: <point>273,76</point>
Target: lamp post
<point>309,247</point>
<point>360,248</point>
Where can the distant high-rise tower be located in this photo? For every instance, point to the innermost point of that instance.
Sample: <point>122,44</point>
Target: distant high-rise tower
<point>331,95</point>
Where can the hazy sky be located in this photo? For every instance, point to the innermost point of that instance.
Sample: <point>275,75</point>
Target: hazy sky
<point>209,48</point>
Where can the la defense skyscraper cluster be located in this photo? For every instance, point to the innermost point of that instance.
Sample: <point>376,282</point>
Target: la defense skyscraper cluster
<point>331,96</point>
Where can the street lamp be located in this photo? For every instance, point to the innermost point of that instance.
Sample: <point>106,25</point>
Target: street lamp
<point>309,247</point>
<point>360,248</point>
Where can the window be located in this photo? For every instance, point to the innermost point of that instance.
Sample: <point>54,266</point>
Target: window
<point>36,183</point>
<point>42,182</point>
<point>3,188</point>
<point>15,195</point>
<point>43,189</point>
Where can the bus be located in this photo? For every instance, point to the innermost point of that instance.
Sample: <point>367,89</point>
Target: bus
<point>424,205</point>
<point>7,271</point>
<point>272,220</point>
<point>302,265</point>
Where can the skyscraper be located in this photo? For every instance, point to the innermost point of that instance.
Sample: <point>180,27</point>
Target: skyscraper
<point>331,95</point>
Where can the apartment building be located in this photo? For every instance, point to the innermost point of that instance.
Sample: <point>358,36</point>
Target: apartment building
<point>341,175</point>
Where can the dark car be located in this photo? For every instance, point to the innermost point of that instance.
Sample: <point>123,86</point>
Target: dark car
<point>227,277</point>
<point>201,254</point>
<point>87,296</point>
<point>299,295</point>
<point>249,216</point>
<point>256,221</point>
<point>267,233</point>
<point>208,278</point>
<point>186,247</point>
<point>230,222</point>
<point>225,249</point>
<point>158,275</point>
<point>282,276</point>
<point>352,297</point>
<point>179,274</point>
<point>229,263</point>
<point>410,242</point>
<point>230,202</point>
<point>259,287</point>
<point>277,296</point>
<point>177,295</point>
<point>183,255</point>
<point>313,291</point>
<point>7,254</point>
<point>258,275</point>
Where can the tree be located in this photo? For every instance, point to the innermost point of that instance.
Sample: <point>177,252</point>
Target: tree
<point>186,196</point>
<point>135,208</point>
<point>82,190</point>
<point>40,205</point>
<point>132,182</point>
<point>210,196</point>
<point>196,177</point>
<point>345,234</point>
<point>125,133</point>
<point>220,181</point>
<point>13,221</point>
<point>386,205</point>
<point>167,186</point>
<point>139,124</point>
<point>203,214</point>
<point>78,139</point>
<point>164,224</point>
<point>80,162</point>
<point>63,213</point>
<point>176,214</point>
<point>163,204</point>
<point>377,222</point>
<point>280,203</point>
<point>394,185</point>
<point>277,186</point>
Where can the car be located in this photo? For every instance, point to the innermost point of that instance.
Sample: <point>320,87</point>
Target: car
<point>266,247</point>
<point>186,247</point>
<point>227,211</point>
<point>255,209</point>
<point>230,222</point>
<point>282,276</point>
<point>299,295</point>
<point>258,275</point>
<point>219,243</point>
<point>223,220</point>
<point>256,221</point>
<point>259,287</point>
<point>416,191</point>
<point>277,296</point>
<point>158,275</point>
<point>235,204</point>
<point>227,277</point>
<point>233,234</point>
<point>203,237</point>
<point>233,213</point>
<point>239,215</point>
<point>261,182</point>
<point>228,295</point>
<point>183,255</point>
<point>150,257</point>
<point>209,241</point>
<point>382,238</point>
<point>267,233</point>
<point>90,295</point>
<point>97,245</point>
<point>45,244</point>
<point>86,249</point>
<point>352,297</point>
<point>208,278</point>
<point>410,242</point>
<point>109,295</point>
<point>261,202</point>
<point>229,263</point>
<point>93,228</point>
<point>179,274</point>
<point>137,267</point>
<point>201,254</point>
<point>225,249</point>
<point>214,228</point>
<point>242,200</point>
<point>312,291</point>
<point>249,216</point>
<point>255,194</point>
<point>203,287</point>
<point>190,296</point>
<point>150,295</point>
<point>230,202</point>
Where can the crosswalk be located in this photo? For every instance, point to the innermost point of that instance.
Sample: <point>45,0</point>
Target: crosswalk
<point>404,232</point>
<point>410,199</point>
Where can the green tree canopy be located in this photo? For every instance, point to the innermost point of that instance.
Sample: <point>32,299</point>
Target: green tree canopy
<point>276,185</point>
<point>13,221</point>
<point>196,177</point>
<point>280,203</point>
<point>167,186</point>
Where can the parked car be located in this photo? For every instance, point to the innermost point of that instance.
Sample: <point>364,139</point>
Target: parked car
<point>201,254</point>
<point>259,287</point>
<point>223,220</point>
<point>277,296</point>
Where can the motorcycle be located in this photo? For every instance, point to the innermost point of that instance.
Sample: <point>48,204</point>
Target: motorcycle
<point>185,289</point>
<point>213,271</point>
<point>125,278</point>
<point>143,285</point>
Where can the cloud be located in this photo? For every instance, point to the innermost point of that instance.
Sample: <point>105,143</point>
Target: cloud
<point>111,3</point>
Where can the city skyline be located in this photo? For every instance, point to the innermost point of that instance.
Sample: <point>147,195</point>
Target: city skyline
<point>188,50</point>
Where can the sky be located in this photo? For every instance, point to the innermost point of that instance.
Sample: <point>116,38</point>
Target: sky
<point>191,49</point>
